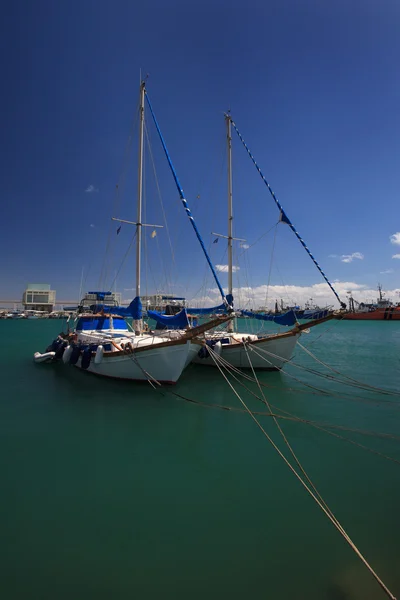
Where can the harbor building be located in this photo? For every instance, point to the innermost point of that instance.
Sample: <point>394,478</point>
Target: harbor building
<point>39,296</point>
<point>163,302</point>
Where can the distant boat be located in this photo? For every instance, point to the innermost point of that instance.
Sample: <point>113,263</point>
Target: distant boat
<point>312,311</point>
<point>382,310</point>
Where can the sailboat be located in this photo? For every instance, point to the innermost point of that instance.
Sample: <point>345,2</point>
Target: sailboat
<point>246,349</point>
<point>101,341</point>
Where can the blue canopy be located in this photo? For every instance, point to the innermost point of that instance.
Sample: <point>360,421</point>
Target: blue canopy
<point>178,321</point>
<point>98,323</point>
<point>288,318</point>
<point>207,311</point>
<point>134,310</point>
<point>213,310</point>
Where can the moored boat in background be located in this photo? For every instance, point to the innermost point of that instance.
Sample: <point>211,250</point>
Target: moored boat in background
<point>382,310</point>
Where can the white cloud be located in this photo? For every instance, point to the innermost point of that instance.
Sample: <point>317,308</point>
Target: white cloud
<point>224,268</point>
<point>396,256</point>
<point>388,270</point>
<point>395,238</point>
<point>261,296</point>
<point>92,225</point>
<point>245,246</point>
<point>90,189</point>
<point>348,258</point>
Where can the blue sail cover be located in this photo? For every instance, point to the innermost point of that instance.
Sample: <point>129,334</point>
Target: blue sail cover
<point>207,311</point>
<point>214,309</point>
<point>98,323</point>
<point>134,310</point>
<point>178,321</point>
<point>288,318</point>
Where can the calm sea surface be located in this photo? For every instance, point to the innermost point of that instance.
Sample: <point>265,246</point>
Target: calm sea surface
<point>111,490</point>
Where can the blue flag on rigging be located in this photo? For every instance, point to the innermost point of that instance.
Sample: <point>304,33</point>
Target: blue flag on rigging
<point>119,229</point>
<point>215,241</point>
<point>283,218</point>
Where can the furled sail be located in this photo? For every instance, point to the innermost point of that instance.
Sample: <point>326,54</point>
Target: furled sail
<point>207,311</point>
<point>134,310</point>
<point>288,318</point>
<point>178,321</point>
<point>213,309</point>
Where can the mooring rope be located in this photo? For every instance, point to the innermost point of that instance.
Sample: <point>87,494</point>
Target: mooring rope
<point>317,499</point>
<point>150,379</point>
<point>229,367</point>
<point>316,391</point>
<point>365,385</point>
<point>349,383</point>
<point>289,417</point>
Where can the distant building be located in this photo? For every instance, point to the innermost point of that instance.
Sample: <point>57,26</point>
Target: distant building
<point>161,301</point>
<point>39,296</point>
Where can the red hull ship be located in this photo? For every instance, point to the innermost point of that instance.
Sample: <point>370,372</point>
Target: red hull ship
<point>391,313</point>
<point>383,310</point>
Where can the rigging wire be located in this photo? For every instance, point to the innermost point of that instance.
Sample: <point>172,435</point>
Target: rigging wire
<point>124,259</point>
<point>118,192</point>
<point>217,175</point>
<point>258,239</point>
<point>161,200</point>
<point>284,217</point>
<point>270,265</point>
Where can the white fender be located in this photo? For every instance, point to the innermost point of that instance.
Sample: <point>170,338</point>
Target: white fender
<point>99,355</point>
<point>67,354</point>
<point>47,356</point>
<point>218,348</point>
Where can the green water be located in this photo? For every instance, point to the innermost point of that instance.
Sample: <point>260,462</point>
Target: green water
<point>111,490</point>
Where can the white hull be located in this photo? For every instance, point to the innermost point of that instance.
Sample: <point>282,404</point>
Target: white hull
<point>270,353</point>
<point>117,353</point>
<point>164,364</point>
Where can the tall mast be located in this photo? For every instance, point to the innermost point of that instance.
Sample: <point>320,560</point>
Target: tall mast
<point>230,209</point>
<point>230,215</point>
<point>138,322</point>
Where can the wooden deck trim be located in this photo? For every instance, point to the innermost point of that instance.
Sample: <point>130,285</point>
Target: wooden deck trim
<point>286,334</point>
<point>189,335</point>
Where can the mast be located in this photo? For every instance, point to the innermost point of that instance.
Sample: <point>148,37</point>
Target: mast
<point>230,210</point>
<point>137,324</point>
<point>187,209</point>
<point>380,292</point>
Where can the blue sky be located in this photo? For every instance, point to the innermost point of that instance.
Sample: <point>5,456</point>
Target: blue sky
<point>313,87</point>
